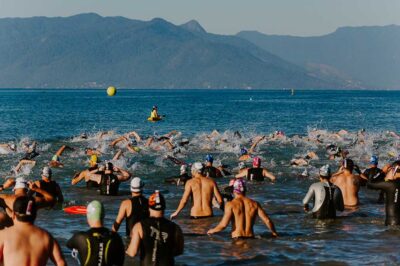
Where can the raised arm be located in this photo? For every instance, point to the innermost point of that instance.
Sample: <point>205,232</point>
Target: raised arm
<point>47,200</point>
<point>257,140</point>
<point>267,221</point>
<point>242,174</point>
<point>118,140</point>
<point>224,221</point>
<point>62,149</point>
<point>123,174</point>
<point>182,203</point>
<point>135,135</point>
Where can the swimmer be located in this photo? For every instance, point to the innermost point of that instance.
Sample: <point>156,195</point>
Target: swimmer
<point>304,161</point>
<point>134,209</point>
<point>55,160</point>
<point>156,142</point>
<point>9,147</point>
<point>256,173</point>
<point>202,190</point>
<point>182,178</point>
<point>131,144</point>
<point>348,183</point>
<point>158,239</point>
<point>50,186</point>
<point>242,211</point>
<point>246,155</point>
<point>390,188</point>
<point>327,197</point>
<point>92,151</point>
<point>24,243</point>
<point>109,177</point>
<point>85,174</point>
<point>209,170</point>
<point>333,151</point>
<point>373,174</point>
<point>98,245</point>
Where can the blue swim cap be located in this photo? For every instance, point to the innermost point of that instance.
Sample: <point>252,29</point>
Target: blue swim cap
<point>373,160</point>
<point>209,158</point>
<point>243,151</point>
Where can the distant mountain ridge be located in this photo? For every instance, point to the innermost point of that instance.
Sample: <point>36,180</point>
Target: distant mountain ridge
<point>88,50</point>
<point>366,56</point>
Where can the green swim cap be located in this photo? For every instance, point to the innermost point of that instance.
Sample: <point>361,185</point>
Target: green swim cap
<point>95,211</point>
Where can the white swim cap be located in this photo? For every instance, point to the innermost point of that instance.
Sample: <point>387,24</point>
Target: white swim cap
<point>197,167</point>
<point>137,185</point>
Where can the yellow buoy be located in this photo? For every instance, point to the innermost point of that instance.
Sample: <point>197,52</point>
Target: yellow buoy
<point>111,91</point>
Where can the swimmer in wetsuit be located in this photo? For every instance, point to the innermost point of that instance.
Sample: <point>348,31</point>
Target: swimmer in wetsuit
<point>373,174</point>
<point>85,174</point>
<point>209,170</point>
<point>50,186</point>
<point>134,209</point>
<point>327,197</point>
<point>242,212</point>
<point>246,154</point>
<point>391,188</point>
<point>56,160</point>
<point>202,189</point>
<point>158,239</point>
<point>98,245</point>
<point>256,173</point>
<point>181,179</point>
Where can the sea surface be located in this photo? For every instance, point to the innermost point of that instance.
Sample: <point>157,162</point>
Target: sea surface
<point>358,237</point>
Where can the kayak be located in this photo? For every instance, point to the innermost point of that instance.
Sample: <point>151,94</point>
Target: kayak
<point>154,119</point>
<point>75,209</point>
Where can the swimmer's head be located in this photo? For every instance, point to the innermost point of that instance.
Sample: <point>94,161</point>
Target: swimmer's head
<point>374,160</point>
<point>197,168</point>
<point>84,135</point>
<point>209,159</point>
<point>133,142</point>
<point>348,164</point>
<point>183,169</point>
<point>95,211</point>
<point>46,172</point>
<point>242,165</point>
<point>325,172</point>
<point>136,185</point>
<point>256,162</point>
<point>155,107</point>
<point>157,201</point>
<point>13,147</point>
<point>109,166</point>
<point>243,151</point>
<point>239,186</point>
<point>20,183</point>
<point>24,209</point>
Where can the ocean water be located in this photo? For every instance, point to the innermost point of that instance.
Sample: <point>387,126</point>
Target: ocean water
<point>56,117</point>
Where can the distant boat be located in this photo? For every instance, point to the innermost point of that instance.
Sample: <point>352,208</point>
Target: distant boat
<point>292,92</point>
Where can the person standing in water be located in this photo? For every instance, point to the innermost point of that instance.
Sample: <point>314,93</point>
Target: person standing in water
<point>202,189</point>
<point>24,243</point>
<point>374,174</point>
<point>158,239</point>
<point>98,245</point>
<point>256,173</point>
<point>242,211</point>
<point>348,183</point>
<point>327,197</point>
<point>50,186</point>
<point>134,209</point>
<point>209,170</point>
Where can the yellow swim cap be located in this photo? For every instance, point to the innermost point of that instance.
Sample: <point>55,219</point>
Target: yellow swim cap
<point>94,158</point>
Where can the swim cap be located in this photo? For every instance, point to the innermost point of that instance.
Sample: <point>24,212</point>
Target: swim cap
<point>242,165</point>
<point>25,209</point>
<point>20,182</point>
<point>95,211</point>
<point>157,201</point>
<point>209,158</point>
<point>183,169</point>
<point>94,158</point>
<point>256,162</point>
<point>243,151</point>
<point>374,160</point>
<point>348,164</point>
<point>46,172</point>
<point>134,142</point>
<point>197,167</point>
<point>136,185</point>
<point>155,107</point>
<point>109,166</point>
<point>55,158</point>
<point>325,171</point>
<point>239,186</point>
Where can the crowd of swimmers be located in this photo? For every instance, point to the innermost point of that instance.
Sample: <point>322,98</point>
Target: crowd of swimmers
<point>155,237</point>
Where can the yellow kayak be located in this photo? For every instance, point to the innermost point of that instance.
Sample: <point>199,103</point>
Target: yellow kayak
<point>154,119</point>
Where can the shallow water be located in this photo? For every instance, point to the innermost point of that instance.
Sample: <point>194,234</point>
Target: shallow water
<point>55,117</point>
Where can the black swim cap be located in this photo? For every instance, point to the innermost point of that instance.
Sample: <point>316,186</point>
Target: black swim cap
<point>25,209</point>
<point>157,201</point>
<point>348,164</point>
<point>109,166</point>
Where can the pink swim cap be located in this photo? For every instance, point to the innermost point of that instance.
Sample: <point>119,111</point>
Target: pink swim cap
<point>256,162</point>
<point>239,186</point>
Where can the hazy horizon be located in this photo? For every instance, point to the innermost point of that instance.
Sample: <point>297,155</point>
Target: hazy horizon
<point>281,17</point>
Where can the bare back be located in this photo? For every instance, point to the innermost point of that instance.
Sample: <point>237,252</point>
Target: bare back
<point>244,214</point>
<point>25,245</point>
<point>349,184</point>
<point>202,194</point>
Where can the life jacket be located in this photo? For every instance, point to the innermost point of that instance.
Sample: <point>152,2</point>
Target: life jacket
<point>140,211</point>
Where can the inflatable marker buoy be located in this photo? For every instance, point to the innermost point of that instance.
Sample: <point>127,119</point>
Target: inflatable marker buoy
<point>75,209</point>
<point>111,91</point>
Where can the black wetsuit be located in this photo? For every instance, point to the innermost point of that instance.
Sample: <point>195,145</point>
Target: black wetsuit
<point>374,175</point>
<point>140,211</point>
<point>211,171</point>
<point>160,241</point>
<point>98,247</point>
<point>391,189</point>
<point>30,155</point>
<point>109,185</point>
<point>255,174</point>
<point>50,187</point>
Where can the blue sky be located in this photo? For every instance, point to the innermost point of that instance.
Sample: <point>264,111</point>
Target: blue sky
<point>294,17</point>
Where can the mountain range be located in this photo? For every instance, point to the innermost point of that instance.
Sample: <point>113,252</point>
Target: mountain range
<point>88,50</point>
